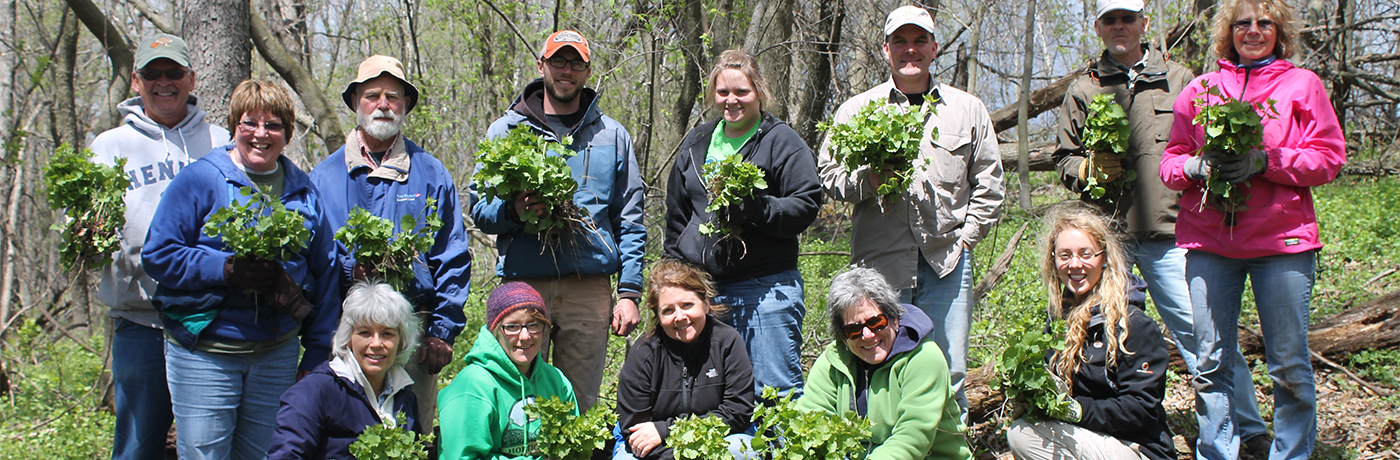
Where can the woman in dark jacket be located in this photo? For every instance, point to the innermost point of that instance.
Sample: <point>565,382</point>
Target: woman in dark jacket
<point>690,364</point>
<point>1114,364</point>
<point>364,384</point>
<point>755,266</point>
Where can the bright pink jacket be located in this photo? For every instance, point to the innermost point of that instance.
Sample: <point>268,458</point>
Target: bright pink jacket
<point>1305,147</point>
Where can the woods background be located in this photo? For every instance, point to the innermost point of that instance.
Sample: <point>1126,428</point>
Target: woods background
<point>65,64</point>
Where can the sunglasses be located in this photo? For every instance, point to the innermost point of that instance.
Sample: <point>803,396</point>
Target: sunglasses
<point>1244,24</point>
<point>154,74</point>
<point>1111,20</point>
<point>876,324</point>
<point>578,65</point>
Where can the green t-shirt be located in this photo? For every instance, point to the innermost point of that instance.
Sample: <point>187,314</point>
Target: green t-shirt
<point>274,179</point>
<point>722,146</point>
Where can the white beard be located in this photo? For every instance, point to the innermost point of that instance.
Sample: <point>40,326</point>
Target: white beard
<point>381,129</point>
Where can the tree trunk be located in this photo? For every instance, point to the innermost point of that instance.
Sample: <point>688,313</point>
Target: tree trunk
<point>1372,326</point>
<point>65,115</point>
<point>1023,108</point>
<point>118,54</point>
<point>769,31</point>
<point>220,51</point>
<point>692,50</point>
<point>1041,100</point>
<point>816,90</point>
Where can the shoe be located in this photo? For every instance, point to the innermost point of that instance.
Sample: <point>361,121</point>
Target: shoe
<point>1256,447</point>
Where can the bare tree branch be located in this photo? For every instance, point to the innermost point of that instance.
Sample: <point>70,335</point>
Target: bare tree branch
<point>118,52</point>
<point>327,124</point>
<point>1042,99</point>
<point>151,15</point>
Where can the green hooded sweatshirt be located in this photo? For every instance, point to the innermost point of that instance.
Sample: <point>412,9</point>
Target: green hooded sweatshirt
<point>481,413</point>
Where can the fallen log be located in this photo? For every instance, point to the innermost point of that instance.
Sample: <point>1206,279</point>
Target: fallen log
<point>1372,326</point>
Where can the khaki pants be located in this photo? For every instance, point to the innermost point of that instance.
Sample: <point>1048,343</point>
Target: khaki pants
<point>581,309</point>
<point>1056,440</point>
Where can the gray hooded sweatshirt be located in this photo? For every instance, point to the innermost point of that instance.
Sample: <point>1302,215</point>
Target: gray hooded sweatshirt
<point>154,155</point>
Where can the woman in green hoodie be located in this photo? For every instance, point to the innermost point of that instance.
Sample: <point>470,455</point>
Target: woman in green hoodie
<point>482,412</point>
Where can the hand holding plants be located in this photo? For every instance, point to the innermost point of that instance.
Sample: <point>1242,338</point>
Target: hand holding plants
<point>884,137</point>
<point>643,439</point>
<point>93,198</point>
<point>1105,136</point>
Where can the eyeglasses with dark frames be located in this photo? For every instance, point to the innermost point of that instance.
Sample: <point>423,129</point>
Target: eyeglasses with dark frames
<point>875,323</point>
<point>154,74</point>
<point>250,126</point>
<point>535,327</point>
<point>578,65</point>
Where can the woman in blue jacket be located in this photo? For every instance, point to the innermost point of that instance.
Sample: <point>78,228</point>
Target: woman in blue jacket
<point>364,384</point>
<point>233,322</point>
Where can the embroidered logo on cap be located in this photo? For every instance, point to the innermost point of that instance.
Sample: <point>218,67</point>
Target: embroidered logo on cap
<point>568,37</point>
<point>162,41</point>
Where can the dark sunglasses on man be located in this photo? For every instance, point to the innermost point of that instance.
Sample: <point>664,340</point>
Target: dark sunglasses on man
<point>154,74</point>
<point>1128,19</point>
<point>875,323</point>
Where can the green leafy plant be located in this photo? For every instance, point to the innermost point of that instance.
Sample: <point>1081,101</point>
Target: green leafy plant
<point>93,198</point>
<point>564,436</point>
<point>381,442</point>
<point>883,136</point>
<point>785,433</point>
<point>699,438</point>
<point>259,228</point>
<point>731,179</point>
<point>1022,374</point>
<point>1106,129</point>
<point>371,239</point>
<point>520,161</point>
<point>1232,127</point>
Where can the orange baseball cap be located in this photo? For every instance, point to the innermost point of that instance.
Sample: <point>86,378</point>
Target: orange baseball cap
<point>563,38</point>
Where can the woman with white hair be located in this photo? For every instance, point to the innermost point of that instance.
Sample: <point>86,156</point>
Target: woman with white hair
<point>363,384</point>
<point>883,368</point>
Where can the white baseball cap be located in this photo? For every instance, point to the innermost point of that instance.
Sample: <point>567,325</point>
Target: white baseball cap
<point>1104,6</point>
<point>908,14</point>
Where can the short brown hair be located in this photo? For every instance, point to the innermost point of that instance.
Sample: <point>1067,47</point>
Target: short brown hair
<point>256,95</point>
<point>1223,39</point>
<point>745,64</point>
<point>678,274</point>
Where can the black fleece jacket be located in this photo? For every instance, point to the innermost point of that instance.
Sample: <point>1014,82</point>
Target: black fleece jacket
<point>1125,401</point>
<point>664,379</point>
<point>769,222</point>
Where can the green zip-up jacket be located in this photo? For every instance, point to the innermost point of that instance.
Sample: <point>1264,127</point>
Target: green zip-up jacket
<point>910,400</point>
<point>482,412</point>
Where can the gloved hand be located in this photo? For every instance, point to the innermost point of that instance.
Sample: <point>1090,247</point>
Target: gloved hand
<point>251,274</point>
<point>1014,408</point>
<point>1103,166</point>
<point>747,211</point>
<point>1197,167</point>
<point>1074,412</point>
<point>434,354</point>
<point>287,298</point>
<point>1239,168</point>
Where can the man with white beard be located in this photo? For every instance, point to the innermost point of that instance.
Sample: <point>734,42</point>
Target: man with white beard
<point>386,174</point>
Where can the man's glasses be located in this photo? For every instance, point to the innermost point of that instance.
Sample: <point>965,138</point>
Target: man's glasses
<point>1111,20</point>
<point>154,74</point>
<point>876,324</point>
<point>577,64</point>
<point>250,126</point>
<point>535,328</point>
<point>1083,256</point>
<point>1243,25</point>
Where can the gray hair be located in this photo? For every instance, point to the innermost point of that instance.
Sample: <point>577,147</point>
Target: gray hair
<point>377,303</point>
<point>852,287</point>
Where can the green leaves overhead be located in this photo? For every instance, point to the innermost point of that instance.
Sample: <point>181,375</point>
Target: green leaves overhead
<point>1021,372</point>
<point>730,180</point>
<point>260,227</point>
<point>1106,130</point>
<point>1232,127</point>
<point>520,161</point>
<point>380,442</point>
<point>786,433</point>
<point>564,436</point>
<point>699,438</point>
<point>371,239</point>
<point>92,197</point>
<point>882,136</point>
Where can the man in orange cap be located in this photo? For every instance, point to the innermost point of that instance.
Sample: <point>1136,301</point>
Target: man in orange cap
<point>381,171</point>
<point>575,279</point>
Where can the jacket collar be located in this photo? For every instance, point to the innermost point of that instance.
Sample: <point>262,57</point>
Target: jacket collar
<point>296,180</point>
<point>703,133</point>
<point>395,381</point>
<point>1154,66</point>
<point>530,104</point>
<point>396,160</point>
<point>934,91</point>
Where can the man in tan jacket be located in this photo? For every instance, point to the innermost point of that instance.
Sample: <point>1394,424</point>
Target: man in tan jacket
<point>921,238</point>
<point>1145,83</point>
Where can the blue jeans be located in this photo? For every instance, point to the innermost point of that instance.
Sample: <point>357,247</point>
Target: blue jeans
<point>1282,292</point>
<point>142,397</point>
<point>1163,267</point>
<point>226,404</point>
<point>947,301</point>
<point>738,446</point>
<point>768,312</point>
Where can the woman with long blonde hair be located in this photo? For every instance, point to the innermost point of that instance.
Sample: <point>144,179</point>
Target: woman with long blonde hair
<point>1113,368</point>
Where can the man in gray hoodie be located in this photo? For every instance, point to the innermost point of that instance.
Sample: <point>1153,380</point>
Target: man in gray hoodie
<point>163,130</point>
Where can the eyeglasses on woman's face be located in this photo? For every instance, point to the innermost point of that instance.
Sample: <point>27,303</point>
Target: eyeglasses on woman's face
<point>535,327</point>
<point>1084,256</point>
<point>252,126</point>
<point>875,323</point>
<point>1244,25</point>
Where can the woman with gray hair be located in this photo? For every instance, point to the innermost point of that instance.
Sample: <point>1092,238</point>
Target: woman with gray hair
<point>882,368</point>
<point>363,384</point>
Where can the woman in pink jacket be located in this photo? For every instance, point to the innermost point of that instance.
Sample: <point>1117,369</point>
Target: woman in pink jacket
<point>1273,240</point>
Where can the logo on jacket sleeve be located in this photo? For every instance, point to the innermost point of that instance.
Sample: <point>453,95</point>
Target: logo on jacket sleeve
<point>1145,370</point>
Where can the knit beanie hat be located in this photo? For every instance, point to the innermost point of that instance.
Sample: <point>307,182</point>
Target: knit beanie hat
<point>510,297</point>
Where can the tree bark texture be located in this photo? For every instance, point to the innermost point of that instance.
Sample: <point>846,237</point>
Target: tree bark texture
<point>692,49</point>
<point>64,115</point>
<point>220,48</point>
<point>1023,108</point>
<point>816,90</point>
<point>321,108</point>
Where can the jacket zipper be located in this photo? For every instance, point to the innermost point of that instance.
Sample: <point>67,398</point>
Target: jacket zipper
<point>686,386</point>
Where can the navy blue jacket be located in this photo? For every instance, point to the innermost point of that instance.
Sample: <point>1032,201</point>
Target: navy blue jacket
<point>323,414</point>
<point>441,280</point>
